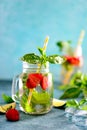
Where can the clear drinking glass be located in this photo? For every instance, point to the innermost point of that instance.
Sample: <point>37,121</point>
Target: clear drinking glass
<point>33,89</point>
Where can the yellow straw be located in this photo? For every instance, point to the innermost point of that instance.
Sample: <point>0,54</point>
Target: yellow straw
<point>30,95</point>
<point>44,49</point>
<point>45,43</point>
<point>81,37</point>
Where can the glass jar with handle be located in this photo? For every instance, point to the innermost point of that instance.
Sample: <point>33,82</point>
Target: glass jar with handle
<point>33,89</point>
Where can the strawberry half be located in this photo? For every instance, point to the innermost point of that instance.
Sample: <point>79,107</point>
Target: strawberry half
<point>44,83</point>
<point>33,80</point>
<point>29,84</point>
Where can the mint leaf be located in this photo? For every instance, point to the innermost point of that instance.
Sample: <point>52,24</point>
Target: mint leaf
<point>7,98</point>
<point>60,45</point>
<point>56,59</point>
<point>64,87</point>
<point>76,86</point>
<point>24,103</point>
<point>71,93</point>
<point>72,103</point>
<point>40,98</point>
<point>82,104</point>
<point>77,79</point>
<point>31,58</point>
<point>83,101</point>
<point>41,51</point>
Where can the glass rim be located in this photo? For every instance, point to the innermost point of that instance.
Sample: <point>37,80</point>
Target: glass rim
<point>30,65</point>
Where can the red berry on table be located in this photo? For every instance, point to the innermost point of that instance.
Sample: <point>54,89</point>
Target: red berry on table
<point>12,115</point>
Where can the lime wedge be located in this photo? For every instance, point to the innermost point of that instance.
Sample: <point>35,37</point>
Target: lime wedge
<point>4,108</point>
<point>58,103</point>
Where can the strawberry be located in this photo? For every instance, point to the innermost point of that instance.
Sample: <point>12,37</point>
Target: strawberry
<point>12,115</point>
<point>35,75</point>
<point>73,60</point>
<point>33,80</point>
<point>28,84</point>
<point>44,83</point>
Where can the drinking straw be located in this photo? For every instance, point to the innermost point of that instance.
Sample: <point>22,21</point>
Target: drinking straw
<point>67,76</point>
<point>81,37</point>
<point>44,49</point>
<point>45,43</point>
<point>78,50</point>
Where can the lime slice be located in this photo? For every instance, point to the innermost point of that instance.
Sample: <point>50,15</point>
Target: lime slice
<point>58,103</point>
<point>4,108</point>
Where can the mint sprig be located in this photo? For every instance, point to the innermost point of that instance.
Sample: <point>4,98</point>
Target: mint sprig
<point>72,103</point>
<point>82,104</point>
<point>42,58</point>
<point>76,86</point>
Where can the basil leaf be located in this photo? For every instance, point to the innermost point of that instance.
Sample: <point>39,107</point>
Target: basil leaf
<point>56,59</point>
<point>71,93</point>
<point>31,58</point>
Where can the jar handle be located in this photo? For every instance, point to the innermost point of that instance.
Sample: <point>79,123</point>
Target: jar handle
<point>15,89</point>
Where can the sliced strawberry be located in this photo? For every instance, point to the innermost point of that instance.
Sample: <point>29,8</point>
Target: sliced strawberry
<point>29,85</point>
<point>35,76</point>
<point>44,83</point>
<point>33,80</point>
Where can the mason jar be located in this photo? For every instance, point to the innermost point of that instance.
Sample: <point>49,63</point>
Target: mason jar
<point>33,89</point>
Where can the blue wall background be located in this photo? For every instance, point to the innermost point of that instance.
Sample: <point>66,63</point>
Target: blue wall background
<point>24,24</point>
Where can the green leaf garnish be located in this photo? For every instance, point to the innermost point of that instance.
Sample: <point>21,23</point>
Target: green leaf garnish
<point>60,45</point>
<point>71,93</point>
<point>76,86</point>
<point>41,51</point>
<point>31,58</point>
<point>7,98</point>
<point>72,103</point>
<point>56,59</point>
<point>82,104</point>
<point>42,98</point>
<point>43,58</point>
